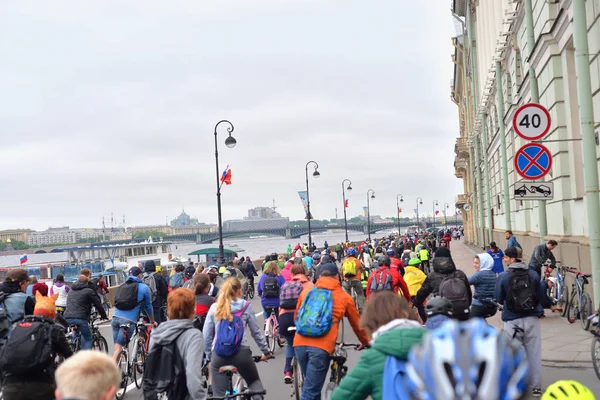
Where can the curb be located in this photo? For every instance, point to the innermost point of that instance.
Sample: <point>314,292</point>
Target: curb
<point>567,364</point>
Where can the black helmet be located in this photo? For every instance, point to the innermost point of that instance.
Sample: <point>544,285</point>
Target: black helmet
<point>438,306</point>
<point>385,260</point>
<point>179,268</point>
<point>273,256</point>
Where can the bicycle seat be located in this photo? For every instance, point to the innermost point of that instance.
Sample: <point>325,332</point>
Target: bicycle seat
<point>124,326</point>
<point>269,310</point>
<point>228,368</point>
<point>73,327</point>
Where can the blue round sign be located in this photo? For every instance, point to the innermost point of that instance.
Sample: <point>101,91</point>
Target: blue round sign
<point>533,161</point>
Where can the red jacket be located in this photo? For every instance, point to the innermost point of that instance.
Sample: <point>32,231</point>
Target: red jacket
<point>102,288</point>
<point>397,281</point>
<point>397,263</point>
<point>40,287</point>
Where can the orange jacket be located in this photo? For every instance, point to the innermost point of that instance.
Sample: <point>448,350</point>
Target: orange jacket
<point>343,306</point>
<point>357,276</point>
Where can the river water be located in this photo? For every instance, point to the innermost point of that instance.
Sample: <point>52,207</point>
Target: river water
<point>255,248</point>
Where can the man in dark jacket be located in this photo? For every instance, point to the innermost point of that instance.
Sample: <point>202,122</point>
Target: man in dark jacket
<point>443,267</point>
<point>79,309</point>
<point>541,253</point>
<point>162,291</point>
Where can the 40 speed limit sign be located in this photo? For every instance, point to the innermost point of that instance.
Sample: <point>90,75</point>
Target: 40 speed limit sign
<point>531,121</point>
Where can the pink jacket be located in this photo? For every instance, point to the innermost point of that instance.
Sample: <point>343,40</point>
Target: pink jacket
<point>287,272</point>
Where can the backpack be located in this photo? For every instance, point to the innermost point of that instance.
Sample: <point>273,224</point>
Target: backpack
<point>315,315</point>
<point>199,322</point>
<point>522,293</point>
<point>288,296</point>
<point>28,349</point>
<point>271,287</point>
<point>382,280</point>
<point>395,380</point>
<point>349,267</point>
<point>126,297</point>
<point>455,289</point>
<point>229,335</point>
<point>405,259</point>
<point>4,322</point>
<point>164,372</point>
<point>150,281</point>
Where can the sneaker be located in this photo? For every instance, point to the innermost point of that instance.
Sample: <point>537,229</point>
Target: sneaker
<point>288,378</point>
<point>536,392</point>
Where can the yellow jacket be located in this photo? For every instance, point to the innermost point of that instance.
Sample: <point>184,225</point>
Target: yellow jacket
<point>414,279</point>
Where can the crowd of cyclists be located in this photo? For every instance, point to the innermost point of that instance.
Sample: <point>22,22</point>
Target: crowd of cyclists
<point>418,317</point>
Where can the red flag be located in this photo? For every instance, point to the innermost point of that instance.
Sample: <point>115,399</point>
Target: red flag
<point>346,204</point>
<point>226,177</point>
<point>437,212</point>
<point>399,210</point>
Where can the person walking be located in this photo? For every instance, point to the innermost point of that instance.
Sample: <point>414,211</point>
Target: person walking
<point>484,283</point>
<point>498,256</point>
<point>511,240</point>
<point>519,290</point>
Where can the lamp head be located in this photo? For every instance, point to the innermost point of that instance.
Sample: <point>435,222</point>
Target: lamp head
<point>401,199</point>
<point>316,174</point>
<point>349,188</point>
<point>230,141</point>
<point>373,196</point>
<point>421,202</point>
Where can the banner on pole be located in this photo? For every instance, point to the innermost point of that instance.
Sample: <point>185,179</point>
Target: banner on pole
<point>366,211</point>
<point>304,199</point>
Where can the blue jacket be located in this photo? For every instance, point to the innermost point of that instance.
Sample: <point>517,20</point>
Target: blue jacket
<point>144,298</point>
<point>502,291</point>
<point>309,262</point>
<point>498,266</point>
<point>484,280</point>
<point>512,242</point>
<point>269,301</point>
<point>435,321</point>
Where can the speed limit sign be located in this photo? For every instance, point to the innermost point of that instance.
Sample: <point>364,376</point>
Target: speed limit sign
<point>531,121</point>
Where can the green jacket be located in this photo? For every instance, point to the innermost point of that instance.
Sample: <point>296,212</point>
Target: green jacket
<point>366,378</point>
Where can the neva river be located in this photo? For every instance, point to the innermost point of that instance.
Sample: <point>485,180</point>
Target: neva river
<point>255,248</point>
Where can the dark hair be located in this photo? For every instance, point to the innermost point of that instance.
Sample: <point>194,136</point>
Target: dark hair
<point>201,283</point>
<point>60,278</point>
<point>299,269</point>
<point>383,307</point>
<point>553,242</point>
<point>179,268</point>
<point>509,231</point>
<point>493,245</point>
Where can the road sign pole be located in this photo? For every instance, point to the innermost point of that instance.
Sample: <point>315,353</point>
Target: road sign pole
<point>503,156</point>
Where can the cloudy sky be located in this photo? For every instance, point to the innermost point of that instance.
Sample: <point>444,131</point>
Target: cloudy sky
<point>110,106</point>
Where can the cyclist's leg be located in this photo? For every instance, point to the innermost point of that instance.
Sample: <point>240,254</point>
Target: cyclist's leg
<point>315,372</point>
<point>84,330</point>
<point>247,369</point>
<point>346,285</point>
<point>478,311</point>
<point>360,296</point>
<point>532,341</point>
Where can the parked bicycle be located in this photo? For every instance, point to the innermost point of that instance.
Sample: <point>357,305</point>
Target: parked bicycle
<point>580,305</point>
<point>596,350</point>
<point>272,330</point>
<point>338,367</point>
<point>560,290</point>
<point>237,388</point>
<point>133,369</point>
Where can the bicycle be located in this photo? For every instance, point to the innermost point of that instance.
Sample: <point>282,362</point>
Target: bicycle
<point>272,330</point>
<point>98,341</point>
<point>248,290</point>
<point>338,369</point>
<point>141,345</point>
<point>135,369</point>
<point>296,373</point>
<point>596,351</point>
<point>560,291</point>
<point>580,305</point>
<point>237,388</point>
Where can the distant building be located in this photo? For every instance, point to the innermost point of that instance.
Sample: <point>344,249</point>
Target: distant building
<point>184,220</point>
<point>62,235</point>
<point>263,213</point>
<point>20,235</point>
<point>259,218</point>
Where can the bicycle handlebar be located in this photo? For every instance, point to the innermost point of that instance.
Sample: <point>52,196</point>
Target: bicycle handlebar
<point>246,393</point>
<point>348,345</point>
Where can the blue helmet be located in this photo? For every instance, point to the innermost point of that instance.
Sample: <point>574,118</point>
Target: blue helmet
<point>467,360</point>
<point>316,256</point>
<point>390,252</point>
<point>351,252</point>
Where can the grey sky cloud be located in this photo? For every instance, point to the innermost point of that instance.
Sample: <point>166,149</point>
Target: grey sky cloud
<point>110,106</point>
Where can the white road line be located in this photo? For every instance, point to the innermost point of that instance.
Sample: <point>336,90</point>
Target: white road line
<point>258,314</point>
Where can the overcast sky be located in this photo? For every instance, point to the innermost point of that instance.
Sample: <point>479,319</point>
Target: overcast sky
<point>110,106</point>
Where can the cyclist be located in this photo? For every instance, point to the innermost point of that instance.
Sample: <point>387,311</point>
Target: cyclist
<point>87,375</point>
<point>203,299</point>
<point>268,289</point>
<point>179,329</point>
<point>396,262</point>
<point>502,370</point>
<point>59,287</point>
<point>312,352</point>
<point>541,253</point>
<point>79,309</point>
<point>567,390</point>
<point>229,304</point>
<point>484,283</point>
<point>212,273</point>
<point>250,271</point>
<point>131,296</point>
<point>160,287</point>
<point>393,329</point>
<point>351,272</point>
<point>365,258</point>
<point>387,278</point>
<point>438,311</point>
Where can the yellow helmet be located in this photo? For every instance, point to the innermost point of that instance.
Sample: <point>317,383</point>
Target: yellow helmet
<point>158,268</point>
<point>568,390</point>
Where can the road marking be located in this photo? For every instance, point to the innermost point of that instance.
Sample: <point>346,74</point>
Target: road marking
<point>258,314</point>
<point>130,387</point>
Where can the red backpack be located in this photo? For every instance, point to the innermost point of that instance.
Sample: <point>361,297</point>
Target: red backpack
<point>382,280</point>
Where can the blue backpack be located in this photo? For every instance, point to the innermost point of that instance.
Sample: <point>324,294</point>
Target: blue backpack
<point>395,385</point>
<point>229,335</point>
<point>315,315</point>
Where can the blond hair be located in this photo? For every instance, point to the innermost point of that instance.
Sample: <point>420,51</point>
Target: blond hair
<point>272,268</point>
<point>88,375</point>
<point>227,293</point>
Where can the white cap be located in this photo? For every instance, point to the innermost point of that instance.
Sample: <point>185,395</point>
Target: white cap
<point>552,279</point>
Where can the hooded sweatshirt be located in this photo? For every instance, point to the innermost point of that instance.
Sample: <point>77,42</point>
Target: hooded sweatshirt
<point>211,326</point>
<point>190,346</point>
<point>63,290</point>
<point>502,292</point>
<point>286,272</point>
<point>366,379</point>
<point>484,280</point>
<point>442,268</point>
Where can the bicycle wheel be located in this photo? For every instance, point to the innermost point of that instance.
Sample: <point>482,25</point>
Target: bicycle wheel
<point>585,310</point>
<point>573,309</point>
<point>123,366</point>
<point>139,361</point>
<point>329,390</point>
<point>564,300</point>
<point>596,355</point>
<point>271,338</point>
<point>251,292</point>
<point>100,344</point>
<point>298,379</point>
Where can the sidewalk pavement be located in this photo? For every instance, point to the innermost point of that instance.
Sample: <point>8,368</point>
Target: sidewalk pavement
<point>562,342</point>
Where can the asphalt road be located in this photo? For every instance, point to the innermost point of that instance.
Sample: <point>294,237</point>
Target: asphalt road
<point>271,372</point>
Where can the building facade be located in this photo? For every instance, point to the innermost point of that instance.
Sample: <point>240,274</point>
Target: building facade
<point>507,54</point>
<point>15,234</point>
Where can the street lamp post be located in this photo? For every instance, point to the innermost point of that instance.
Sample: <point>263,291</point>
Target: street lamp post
<point>419,201</point>
<point>344,198</point>
<point>369,211</point>
<point>398,210</point>
<point>446,206</point>
<point>316,174</point>
<point>435,203</point>
<point>229,142</point>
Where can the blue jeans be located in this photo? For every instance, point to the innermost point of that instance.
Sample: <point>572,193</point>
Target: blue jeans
<point>119,333</point>
<point>314,363</point>
<point>84,330</point>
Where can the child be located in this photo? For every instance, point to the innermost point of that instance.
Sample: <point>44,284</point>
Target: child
<point>439,310</point>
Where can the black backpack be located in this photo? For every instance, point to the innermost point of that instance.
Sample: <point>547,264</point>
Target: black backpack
<point>523,293</point>
<point>164,373</point>
<point>127,294</point>
<point>199,322</point>
<point>4,322</point>
<point>28,349</point>
<point>455,289</point>
<point>271,287</point>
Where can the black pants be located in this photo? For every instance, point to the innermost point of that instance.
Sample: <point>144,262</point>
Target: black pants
<point>482,311</point>
<point>27,390</point>
<point>246,368</point>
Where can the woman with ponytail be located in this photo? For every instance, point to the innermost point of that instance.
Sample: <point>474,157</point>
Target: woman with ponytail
<point>230,302</point>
